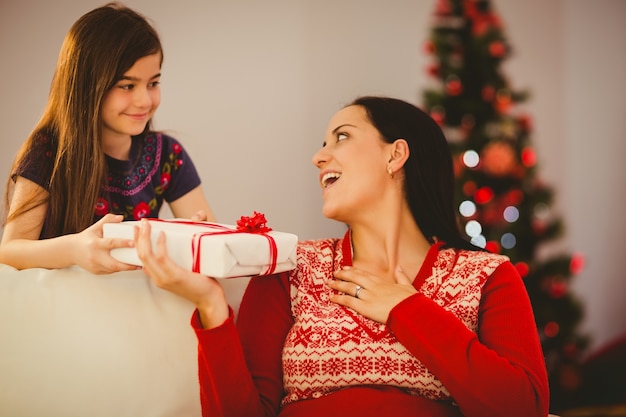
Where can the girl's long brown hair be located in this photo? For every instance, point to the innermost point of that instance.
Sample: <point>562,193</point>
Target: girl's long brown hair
<point>98,49</point>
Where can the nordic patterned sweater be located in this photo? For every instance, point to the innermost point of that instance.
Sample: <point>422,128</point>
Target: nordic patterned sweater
<point>464,345</point>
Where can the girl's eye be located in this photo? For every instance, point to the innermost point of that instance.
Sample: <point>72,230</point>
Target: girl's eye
<point>155,84</point>
<point>126,86</point>
<point>341,136</point>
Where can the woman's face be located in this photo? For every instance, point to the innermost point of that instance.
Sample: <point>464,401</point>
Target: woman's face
<point>132,101</point>
<point>353,165</point>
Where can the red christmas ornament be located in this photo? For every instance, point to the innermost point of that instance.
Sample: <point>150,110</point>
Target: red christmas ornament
<point>470,9</point>
<point>443,8</point>
<point>483,195</point>
<point>551,329</point>
<point>438,115</point>
<point>497,49</point>
<point>498,159</point>
<point>525,122</point>
<point>503,101</point>
<point>467,122</point>
<point>539,226</point>
<point>557,288</point>
<point>454,86</point>
<point>469,188</point>
<point>481,21</point>
<point>570,350</point>
<point>429,47</point>
<point>522,268</point>
<point>492,246</point>
<point>577,263</point>
<point>458,166</point>
<point>514,197</point>
<point>529,157</point>
<point>491,214</point>
<point>434,70</point>
<point>488,93</point>
<point>569,377</point>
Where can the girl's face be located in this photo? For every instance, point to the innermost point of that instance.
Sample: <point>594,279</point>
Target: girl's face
<point>352,164</point>
<point>130,104</point>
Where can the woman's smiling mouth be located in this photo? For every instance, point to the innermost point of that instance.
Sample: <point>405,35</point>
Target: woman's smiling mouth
<point>329,178</point>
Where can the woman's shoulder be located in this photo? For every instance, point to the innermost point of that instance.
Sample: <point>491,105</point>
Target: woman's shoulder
<point>318,251</point>
<point>481,255</point>
<point>316,245</point>
<point>472,260</point>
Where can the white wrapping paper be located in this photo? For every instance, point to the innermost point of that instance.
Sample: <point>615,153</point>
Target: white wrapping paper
<point>213,247</point>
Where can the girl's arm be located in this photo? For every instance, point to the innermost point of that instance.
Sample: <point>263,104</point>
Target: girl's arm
<point>192,205</point>
<point>22,249</point>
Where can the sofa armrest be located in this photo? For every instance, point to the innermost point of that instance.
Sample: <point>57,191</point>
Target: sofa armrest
<point>77,344</point>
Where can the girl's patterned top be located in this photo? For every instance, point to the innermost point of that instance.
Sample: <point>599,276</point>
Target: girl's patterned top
<point>158,169</point>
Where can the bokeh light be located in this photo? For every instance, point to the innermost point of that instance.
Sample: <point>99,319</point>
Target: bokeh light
<point>467,208</point>
<point>471,159</point>
<point>479,241</point>
<point>508,240</point>
<point>511,214</point>
<point>473,228</point>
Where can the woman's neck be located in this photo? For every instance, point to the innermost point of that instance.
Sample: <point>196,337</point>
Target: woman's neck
<point>380,247</point>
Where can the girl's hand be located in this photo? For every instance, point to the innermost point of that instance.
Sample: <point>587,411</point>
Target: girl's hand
<point>204,292</point>
<point>376,296</point>
<point>92,251</point>
<point>200,216</point>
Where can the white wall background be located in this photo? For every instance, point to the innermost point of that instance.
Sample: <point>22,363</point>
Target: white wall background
<point>248,87</point>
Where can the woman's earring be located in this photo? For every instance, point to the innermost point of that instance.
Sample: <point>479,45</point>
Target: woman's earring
<point>389,171</point>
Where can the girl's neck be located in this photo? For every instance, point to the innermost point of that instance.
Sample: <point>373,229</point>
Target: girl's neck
<point>117,147</point>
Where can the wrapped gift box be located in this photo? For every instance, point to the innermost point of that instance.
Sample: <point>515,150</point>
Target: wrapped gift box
<point>213,249</point>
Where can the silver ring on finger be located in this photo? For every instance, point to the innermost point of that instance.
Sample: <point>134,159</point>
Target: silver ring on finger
<point>358,291</point>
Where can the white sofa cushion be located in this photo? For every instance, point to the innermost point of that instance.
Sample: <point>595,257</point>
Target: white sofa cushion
<point>77,344</point>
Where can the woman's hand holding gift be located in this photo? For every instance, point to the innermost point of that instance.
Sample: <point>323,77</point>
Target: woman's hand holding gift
<point>204,292</point>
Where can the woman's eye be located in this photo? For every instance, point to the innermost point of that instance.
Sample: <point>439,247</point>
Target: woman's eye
<point>341,136</point>
<point>155,84</point>
<point>126,86</point>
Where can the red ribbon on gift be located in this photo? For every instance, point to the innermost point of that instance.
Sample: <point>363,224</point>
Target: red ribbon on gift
<point>196,241</point>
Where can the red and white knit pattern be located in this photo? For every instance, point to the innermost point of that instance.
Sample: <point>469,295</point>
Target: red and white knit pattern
<point>331,347</point>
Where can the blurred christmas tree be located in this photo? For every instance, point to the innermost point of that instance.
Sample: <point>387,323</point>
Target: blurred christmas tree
<point>503,205</point>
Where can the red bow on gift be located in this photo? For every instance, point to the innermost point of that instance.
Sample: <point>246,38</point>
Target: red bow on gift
<point>254,224</point>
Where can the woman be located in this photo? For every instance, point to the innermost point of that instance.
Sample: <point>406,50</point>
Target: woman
<point>401,317</point>
<point>93,157</point>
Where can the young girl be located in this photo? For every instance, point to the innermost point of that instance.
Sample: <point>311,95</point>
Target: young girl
<point>93,158</point>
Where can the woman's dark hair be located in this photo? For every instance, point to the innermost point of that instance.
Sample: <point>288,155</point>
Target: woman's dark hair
<point>429,176</point>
